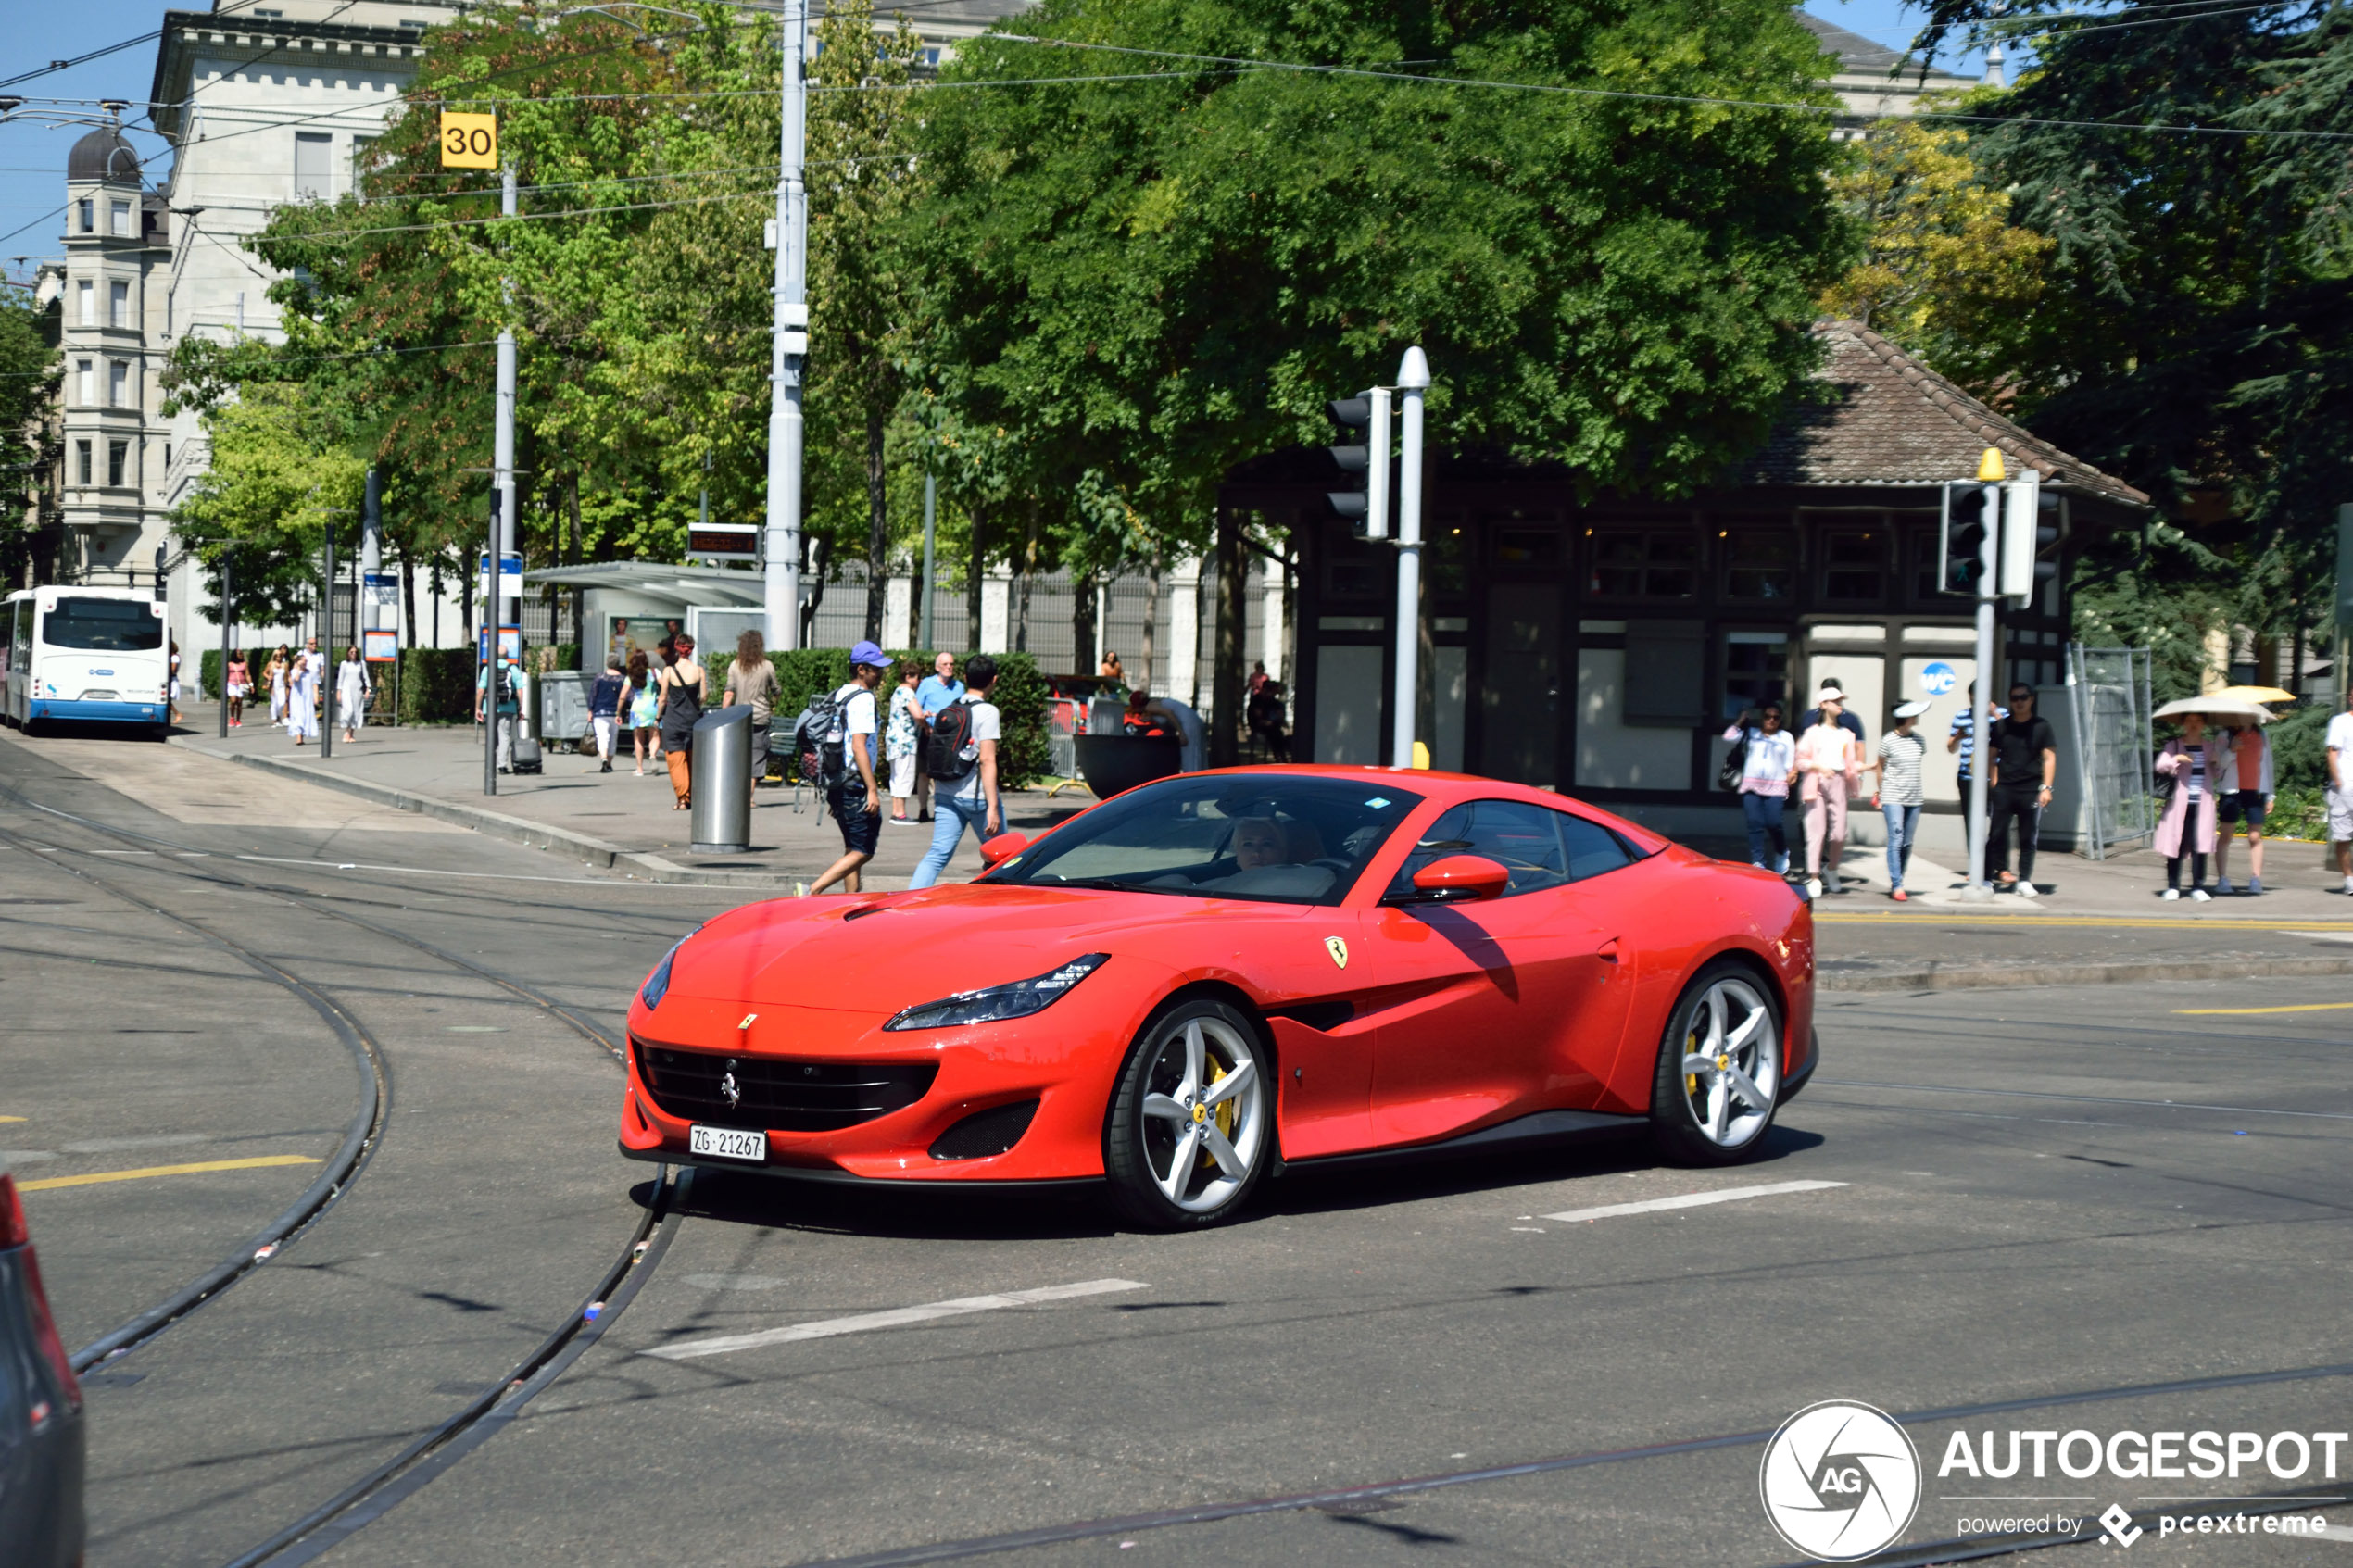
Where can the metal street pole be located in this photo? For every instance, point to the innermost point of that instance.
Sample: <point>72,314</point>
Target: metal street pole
<point>931,539</point>
<point>1413,380</point>
<point>228,608</point>
<point>789,347</point>
<point>497,612</point>
<point>1989,557</point>
<point>327,639</point>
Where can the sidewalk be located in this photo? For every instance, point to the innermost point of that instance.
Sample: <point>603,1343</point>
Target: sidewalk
<point>615,819</point>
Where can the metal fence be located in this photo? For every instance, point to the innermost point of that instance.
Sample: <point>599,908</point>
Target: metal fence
<point>2109,689</point>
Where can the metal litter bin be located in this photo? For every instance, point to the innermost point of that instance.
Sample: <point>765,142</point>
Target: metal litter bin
<point>526,721</point>
<point>720,771</point>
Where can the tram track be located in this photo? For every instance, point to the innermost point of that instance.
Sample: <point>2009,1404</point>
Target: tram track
<point>362,1502</point>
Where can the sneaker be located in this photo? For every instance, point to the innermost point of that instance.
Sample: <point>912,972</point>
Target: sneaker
<point>2348,884</point>
<point>2026,890</point>
<point>1831,882</point>
<point>605,768</point>
<point>2223,885</point>
<point>2171,895</point>
<point>2254,887</point>
<point>1901,897</point>
<point>2200,895</point>
<point>1813,887</point>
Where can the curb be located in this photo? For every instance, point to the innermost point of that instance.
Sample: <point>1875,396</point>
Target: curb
<point>1985,976</point>
<point>591,851</point>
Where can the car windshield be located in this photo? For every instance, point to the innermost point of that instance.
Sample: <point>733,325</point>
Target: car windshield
<point>1277,838</point>
<point>103,625</point>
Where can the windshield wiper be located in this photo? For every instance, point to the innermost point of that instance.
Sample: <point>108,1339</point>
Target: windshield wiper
<point>1112,885</point>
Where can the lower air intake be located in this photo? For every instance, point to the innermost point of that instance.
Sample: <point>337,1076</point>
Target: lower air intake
<point>984,1132</point>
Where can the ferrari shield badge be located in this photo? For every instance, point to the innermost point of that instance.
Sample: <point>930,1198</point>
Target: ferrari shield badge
<point>1338,948</point>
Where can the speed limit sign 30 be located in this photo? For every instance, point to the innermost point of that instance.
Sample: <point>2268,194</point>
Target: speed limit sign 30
<point>469,140</point>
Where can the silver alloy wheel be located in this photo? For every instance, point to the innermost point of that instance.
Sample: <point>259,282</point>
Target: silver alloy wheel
<point>1205,1114</point>
<point>1731,1063</point>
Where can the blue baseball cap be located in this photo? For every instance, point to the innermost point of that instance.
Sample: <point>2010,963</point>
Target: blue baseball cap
<point>867,653</point>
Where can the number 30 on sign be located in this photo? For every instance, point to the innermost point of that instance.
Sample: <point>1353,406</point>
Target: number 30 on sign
<point>469,140</point>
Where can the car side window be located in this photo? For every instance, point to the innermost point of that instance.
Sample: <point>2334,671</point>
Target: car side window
<point>1525,840</point>
<point>1591,848</point>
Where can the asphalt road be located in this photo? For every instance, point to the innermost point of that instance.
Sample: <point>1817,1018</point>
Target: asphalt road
<point>2118,1193</point>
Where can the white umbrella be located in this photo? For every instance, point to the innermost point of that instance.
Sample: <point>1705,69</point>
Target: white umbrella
<point>2230,709</point>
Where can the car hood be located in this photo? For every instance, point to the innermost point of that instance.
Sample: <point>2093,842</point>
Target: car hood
<point>879,955</point>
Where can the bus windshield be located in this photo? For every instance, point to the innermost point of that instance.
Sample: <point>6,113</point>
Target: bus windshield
<point>103,625</point>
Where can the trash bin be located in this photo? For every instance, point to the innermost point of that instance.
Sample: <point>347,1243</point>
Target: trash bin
<point>563,706</point>
<point>721,781</point>
<point>526,721</point>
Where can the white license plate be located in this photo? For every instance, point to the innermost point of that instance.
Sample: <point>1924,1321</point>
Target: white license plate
<point>727,1143</point>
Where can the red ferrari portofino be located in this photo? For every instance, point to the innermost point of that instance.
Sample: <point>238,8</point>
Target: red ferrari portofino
<point>1210,977</point>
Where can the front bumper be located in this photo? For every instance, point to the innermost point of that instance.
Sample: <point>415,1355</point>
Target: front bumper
<point>73,709</point>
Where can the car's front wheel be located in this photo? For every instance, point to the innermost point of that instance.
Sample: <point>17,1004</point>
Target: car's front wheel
<point>1191,1127</point>
<point>1719,1068</point>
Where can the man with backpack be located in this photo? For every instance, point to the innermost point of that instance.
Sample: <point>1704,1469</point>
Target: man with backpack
<point>847,754</point>
<point>959,754</point>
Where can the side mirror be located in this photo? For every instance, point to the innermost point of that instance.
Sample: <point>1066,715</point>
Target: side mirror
<point>996,851</point>
<point>1459,877</point>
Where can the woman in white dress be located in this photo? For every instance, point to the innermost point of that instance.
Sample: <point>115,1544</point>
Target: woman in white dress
<point>280,663</point>
<point>352,687</point>
<point>302,692</point>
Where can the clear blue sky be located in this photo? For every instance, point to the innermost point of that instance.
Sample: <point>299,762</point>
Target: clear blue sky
<point>32,154</point>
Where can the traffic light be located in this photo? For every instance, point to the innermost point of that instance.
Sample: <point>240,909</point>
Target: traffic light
<point>1960,543</point>
<point>2030,531</point>
<point>1363,417</point>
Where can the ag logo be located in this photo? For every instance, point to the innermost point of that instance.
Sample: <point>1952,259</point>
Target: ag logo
<point>1839,1481</point>
<point>1338,948</point>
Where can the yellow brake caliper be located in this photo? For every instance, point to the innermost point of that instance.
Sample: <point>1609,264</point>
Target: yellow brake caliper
<point>1223,1111</point>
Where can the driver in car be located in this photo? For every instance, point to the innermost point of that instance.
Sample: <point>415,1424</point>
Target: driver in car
<point>1260,841</point>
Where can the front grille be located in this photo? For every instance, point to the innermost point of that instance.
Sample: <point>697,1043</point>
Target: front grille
<point>986,1133</point>
<point>786,1097</point>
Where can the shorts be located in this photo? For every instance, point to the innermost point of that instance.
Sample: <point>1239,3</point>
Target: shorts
<point>2242,803</point>
<point>903,776</point>
<point>860,829</point>
<point>2340,804</point>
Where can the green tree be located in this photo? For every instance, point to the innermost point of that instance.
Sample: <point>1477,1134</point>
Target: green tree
<point>1150,280</point>
<point>1944,272</point>
<point>29,371</point>
<point>282,470</point>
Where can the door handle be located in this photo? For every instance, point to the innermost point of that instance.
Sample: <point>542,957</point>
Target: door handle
<point>1608,951</point>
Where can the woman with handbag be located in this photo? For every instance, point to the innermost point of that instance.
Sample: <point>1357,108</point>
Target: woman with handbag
<point>1767,765</point>
<point>2188,768</point>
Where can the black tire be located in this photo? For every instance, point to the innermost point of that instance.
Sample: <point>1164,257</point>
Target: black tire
<point>1682,1100</point>
<point>1140,1142</point>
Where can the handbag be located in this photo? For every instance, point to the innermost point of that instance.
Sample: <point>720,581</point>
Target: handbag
<point>1735,764</point>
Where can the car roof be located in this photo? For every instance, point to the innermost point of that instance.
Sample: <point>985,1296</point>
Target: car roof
<point>1451,787</point>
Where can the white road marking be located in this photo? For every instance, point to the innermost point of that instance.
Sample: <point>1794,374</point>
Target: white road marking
<point>1692,1200</point>
<point>897,1317</point>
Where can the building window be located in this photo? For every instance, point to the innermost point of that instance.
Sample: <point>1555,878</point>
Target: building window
<point>86,374</point>
<point>89,215</point>
<point>1759,566</point>
<point>314,169</point>
<point>117,305</point>
<point>1755,672</point>
<point>170,309</point>
<point>119,382</point>
<point>1650,564</point>
<point>119,213</point>
<point>360,145</point>
<point>1854,565</point>
<point>117,462</point>
<point>87,293</point>
<point>82,464</point>
<point>1527,546</point>
<point>167,457</point>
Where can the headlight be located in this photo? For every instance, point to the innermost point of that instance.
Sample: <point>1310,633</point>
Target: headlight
<point>657,984</point>
<point>997,1003</point>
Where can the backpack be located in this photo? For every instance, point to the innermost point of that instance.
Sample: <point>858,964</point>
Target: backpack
<point>950,733</point>
<point>821,738</point>
<point>1736,763</point>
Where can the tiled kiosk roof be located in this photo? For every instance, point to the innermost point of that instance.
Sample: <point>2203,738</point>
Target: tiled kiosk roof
<point>1883,418</point>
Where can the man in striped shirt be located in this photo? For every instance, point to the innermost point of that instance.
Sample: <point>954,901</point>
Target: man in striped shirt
<point>1962,739</point>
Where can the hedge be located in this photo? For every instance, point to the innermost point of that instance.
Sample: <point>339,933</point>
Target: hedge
<point>1021,696</point>
<point>436,685</point>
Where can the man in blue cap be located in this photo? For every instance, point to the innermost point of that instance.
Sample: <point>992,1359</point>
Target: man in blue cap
<point>855,800</point>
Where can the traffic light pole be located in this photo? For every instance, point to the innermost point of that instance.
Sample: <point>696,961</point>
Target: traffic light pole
<point>1413,382</point>
<point>1982,697</point>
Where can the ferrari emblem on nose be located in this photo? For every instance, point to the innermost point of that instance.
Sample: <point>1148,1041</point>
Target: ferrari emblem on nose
<point>729,1090</point>
<point>1338,948</point>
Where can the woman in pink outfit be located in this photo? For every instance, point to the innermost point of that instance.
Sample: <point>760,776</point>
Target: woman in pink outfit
<point>2194,765</point>
<point>1828,761</point>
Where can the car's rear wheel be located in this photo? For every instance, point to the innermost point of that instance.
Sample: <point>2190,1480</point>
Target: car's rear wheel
<point>1719,1068</point>
<point>1191,1127</point>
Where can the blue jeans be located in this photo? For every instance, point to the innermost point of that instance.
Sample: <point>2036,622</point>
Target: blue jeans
<point>952,814</point>
<point>1764,814</point>
<point>1903,826</point>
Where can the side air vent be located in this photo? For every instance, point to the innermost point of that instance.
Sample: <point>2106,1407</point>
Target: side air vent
<point>984,1132</point>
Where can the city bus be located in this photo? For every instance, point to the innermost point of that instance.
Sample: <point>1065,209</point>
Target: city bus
<point>93,654</point>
